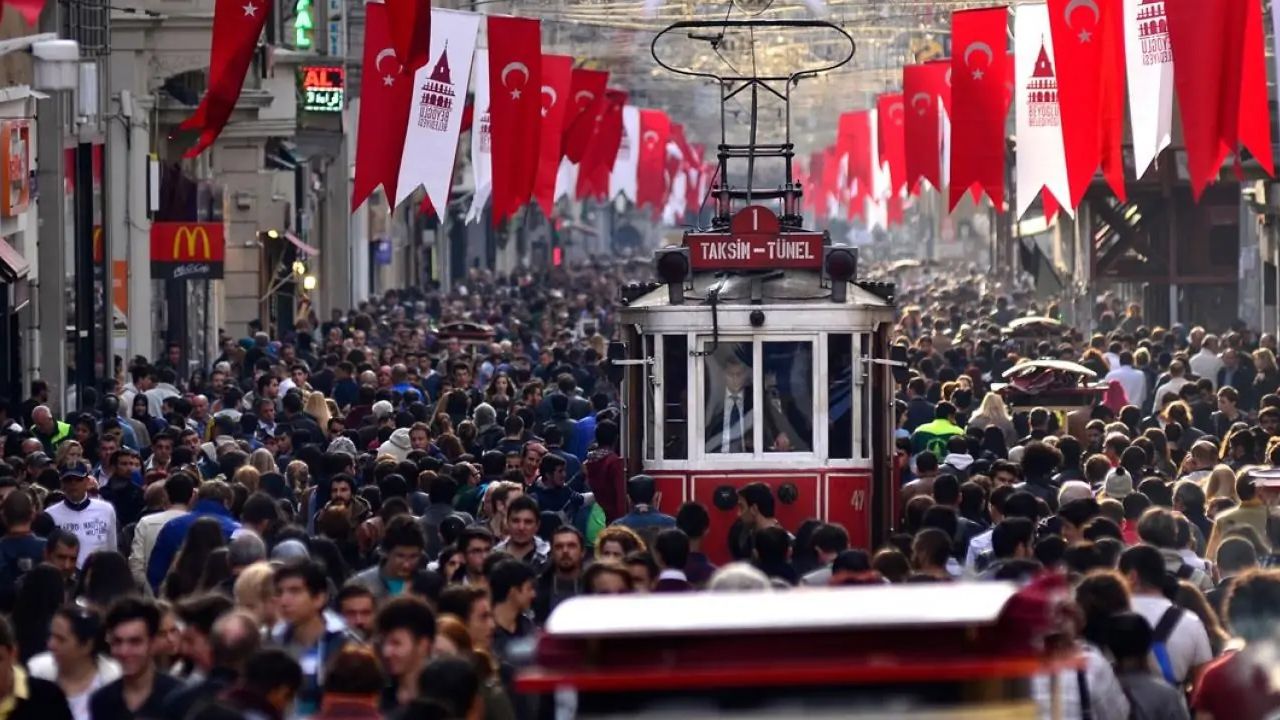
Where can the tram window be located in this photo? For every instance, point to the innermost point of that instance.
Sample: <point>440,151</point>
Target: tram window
<point>788,396</point>
<point>728,407</point>
<point>840,396</point>
<point>650,419</point>
<point>675,397</point>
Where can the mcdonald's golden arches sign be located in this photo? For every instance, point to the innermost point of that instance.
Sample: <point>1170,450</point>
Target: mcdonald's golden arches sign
<point>187,250</point>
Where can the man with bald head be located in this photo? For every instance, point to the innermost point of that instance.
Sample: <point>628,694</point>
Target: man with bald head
<point>47,430</point>
<point>232,640</point>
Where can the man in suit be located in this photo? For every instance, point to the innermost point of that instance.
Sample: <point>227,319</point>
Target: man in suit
<point>671,551</point>
<point>729,411</point>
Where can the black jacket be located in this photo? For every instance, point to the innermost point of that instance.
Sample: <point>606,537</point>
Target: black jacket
<point>45,701</point>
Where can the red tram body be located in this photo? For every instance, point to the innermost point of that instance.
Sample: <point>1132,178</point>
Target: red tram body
<point>782,310</point>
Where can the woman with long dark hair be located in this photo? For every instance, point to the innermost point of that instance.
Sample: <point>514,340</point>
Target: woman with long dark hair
<point>203,538</point>
<point>42,591</point>
<point>105,578</point>
<point>74,659</point>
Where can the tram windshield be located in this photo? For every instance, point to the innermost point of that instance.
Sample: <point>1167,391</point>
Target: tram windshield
<point>766,383</point>
<point>729,410</point>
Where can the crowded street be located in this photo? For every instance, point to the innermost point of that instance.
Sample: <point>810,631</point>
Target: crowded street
<point>554,359</point>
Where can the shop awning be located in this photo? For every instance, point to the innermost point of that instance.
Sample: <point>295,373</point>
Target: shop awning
<point>12,265</point>
<point>303,248</point>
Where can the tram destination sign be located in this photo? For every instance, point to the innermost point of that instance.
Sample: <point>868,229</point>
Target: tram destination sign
<point>755,241</point>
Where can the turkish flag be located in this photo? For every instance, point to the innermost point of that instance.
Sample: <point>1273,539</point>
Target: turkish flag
<point>861,175</point>
<point>1255,116</point>
<point>1088,46</point>
<point>557,76</point>
<point>651,183</point>
<point>236,27</point>
<point>829,203</point>
<point>410,30</point>
<point>890,118</point>
<point>1206,38</point>
<point>515,110</point>
<point>979,99</point>
<point>386,92</point>
<point>924,88</point>
<point>602,149</point>
<point>580,119</point>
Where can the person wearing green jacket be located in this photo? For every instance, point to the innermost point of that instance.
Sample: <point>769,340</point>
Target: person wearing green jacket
<point>933,436</point>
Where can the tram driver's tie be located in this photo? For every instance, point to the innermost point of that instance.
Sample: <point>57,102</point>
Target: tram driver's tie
<point>735,424</point>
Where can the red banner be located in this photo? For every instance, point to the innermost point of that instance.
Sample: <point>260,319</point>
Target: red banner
<point>860,173</point>
<point>1255,115</point>
<point>979,97</point>
<point>1206,38</point>
<point>409,32</point>
<point>602,150</point>
<point>923,88</point>
<point>385,95</point>
<point>651,177</point>
<point>557,74</point>
<point>1088,45</point>
<point>515,110</point>
<point>890,117</point>
<point>236,27</point>
<point>588,88</point>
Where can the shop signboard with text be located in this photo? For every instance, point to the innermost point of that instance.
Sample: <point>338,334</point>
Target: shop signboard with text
<point>187,250</point>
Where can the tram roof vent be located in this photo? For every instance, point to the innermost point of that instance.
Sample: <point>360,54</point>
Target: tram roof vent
<point>884,290</point>
<point>634,290</point>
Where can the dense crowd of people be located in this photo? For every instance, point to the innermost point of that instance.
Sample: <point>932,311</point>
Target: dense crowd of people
<point>372,515</point>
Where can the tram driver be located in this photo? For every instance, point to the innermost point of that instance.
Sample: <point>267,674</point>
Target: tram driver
<point>729,401</point>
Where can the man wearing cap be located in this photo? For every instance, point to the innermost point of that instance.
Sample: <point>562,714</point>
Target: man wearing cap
<point>91,520</point>
<point>1118,485</point>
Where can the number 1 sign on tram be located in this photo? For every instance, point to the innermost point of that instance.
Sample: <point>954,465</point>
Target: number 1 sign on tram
<point>755,241</point>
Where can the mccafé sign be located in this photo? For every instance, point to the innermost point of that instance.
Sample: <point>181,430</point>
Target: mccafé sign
<point>187,250</point>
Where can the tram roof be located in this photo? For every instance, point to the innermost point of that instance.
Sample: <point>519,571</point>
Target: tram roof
<point>874,607</point>
<point>791,287</point>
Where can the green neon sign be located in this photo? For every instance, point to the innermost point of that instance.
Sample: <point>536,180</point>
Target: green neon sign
<point>302,24</point>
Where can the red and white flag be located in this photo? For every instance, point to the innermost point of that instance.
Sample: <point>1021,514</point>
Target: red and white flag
<point>236,27</point>
<point>435,110</point>
<point>860,173</point>
<point>923,87</point>
<point>622,181</point>
<point>1149,64</point>
<point>651,175</point>
<point>1042,163</point>
<point>602,147</point>
<point>385,94</point>
<point>557,74</point>
<point>581,117</point>
<point>410,31</point>
<point>1088,42</point>
<point>1207,38</point>
<point>891,139</point>
<point>515,103</point>
<point>481,138</point>
<point>979,101</point>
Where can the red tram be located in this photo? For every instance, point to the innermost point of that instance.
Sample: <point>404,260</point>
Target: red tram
<point>760,356</point>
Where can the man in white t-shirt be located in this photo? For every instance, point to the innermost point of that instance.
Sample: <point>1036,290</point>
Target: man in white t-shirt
<point>91,520</point>
<point>1186,644</point>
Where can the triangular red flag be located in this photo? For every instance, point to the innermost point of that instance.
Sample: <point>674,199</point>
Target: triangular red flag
<point>588,88</point>
<point>386,92</point>
<point>602,150</point>
<point>236,27</point>
<point>1255,115</point>
<point>410,31</point>
<point>29,9</point>
<point>515,110</point>
<point>980,101</point>
<point>923,88</point>
<point>890,119</point>
<point>1088,44</point>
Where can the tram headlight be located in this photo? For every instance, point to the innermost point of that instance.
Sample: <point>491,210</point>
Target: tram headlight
<point>840,265</point>
<point>673,268</point>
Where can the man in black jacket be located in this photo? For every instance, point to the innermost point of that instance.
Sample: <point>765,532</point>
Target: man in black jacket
<point>32,698</point>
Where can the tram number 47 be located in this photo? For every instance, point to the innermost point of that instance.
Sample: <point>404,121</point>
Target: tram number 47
<point>858,499</point>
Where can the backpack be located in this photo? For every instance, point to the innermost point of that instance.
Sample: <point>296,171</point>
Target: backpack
<point>1160,641</point>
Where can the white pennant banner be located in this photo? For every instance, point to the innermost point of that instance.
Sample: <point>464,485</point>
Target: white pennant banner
<point>435,115</point>
<point>481,149</point>
<point>1042,161</point>
<point>626,166</point>
<point>1149,64</point>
